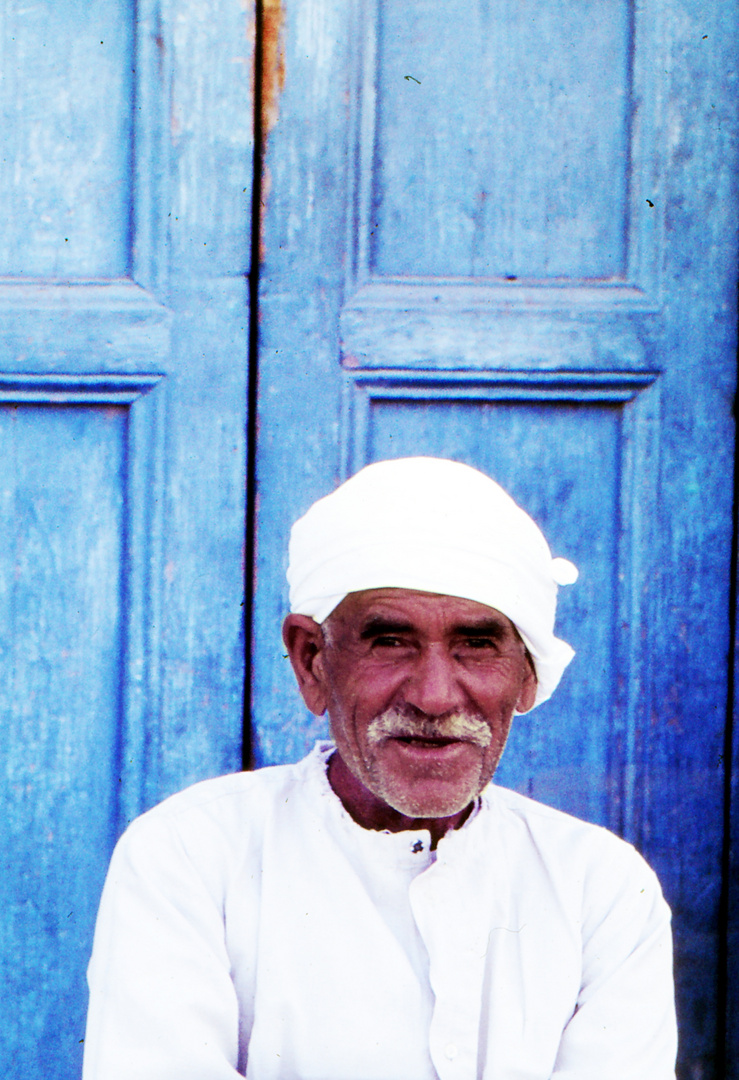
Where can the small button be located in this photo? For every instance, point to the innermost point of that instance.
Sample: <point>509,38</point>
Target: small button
<point>418,846</point>
<point>451,1051</point>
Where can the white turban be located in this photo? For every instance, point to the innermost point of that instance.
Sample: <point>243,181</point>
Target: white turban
<point>434,526</point>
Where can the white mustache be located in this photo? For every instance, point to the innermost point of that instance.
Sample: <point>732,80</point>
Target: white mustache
<point>463,726</point>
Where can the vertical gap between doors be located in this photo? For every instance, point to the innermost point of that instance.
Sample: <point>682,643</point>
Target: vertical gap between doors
<point>253,377</point>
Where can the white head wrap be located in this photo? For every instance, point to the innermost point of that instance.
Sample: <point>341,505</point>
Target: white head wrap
<point>435,526</point>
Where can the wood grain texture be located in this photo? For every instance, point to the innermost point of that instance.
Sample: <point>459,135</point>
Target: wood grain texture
<point>470,119</point>
<point>66,167</point>
<point>63,491</point>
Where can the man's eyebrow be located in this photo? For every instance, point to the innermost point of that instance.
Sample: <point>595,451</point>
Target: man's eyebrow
<point>378,625</point>
<point>485,628</point>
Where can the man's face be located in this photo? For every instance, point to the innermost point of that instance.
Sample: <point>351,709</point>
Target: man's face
<point>420,691</point>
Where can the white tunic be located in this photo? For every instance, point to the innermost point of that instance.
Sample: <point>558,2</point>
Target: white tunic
<point>249,927</point>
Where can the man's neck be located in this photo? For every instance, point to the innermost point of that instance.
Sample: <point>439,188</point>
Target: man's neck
<point>372,813</point>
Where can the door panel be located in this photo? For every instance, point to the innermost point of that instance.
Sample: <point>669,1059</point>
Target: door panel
<point>66,166</point>
<point>61,618</point>
<point>504,232</point>
<point>462,117</point>
<point>126,181</point>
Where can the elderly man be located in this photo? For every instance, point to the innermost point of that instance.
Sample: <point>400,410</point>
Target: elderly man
<point>380,911</point>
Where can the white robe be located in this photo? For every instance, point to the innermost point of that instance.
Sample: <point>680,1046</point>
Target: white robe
<point>249,926</point>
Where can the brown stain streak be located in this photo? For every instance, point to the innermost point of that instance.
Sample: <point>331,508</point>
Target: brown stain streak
<point>272,83</point>
<point>273,63</point>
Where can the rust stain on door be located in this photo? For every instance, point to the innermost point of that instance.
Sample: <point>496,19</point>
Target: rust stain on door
<point>273,63</point>
<point>271,14</point>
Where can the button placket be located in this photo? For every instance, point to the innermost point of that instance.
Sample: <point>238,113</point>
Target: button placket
<point>449,913</point>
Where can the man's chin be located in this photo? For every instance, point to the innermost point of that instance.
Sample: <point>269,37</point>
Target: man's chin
<point>427,779</point>
<point>425,804</point>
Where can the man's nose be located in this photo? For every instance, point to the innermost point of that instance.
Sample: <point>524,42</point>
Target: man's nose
<point>433,687</point>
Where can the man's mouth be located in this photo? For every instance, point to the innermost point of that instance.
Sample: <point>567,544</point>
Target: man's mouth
<point>423,740</point>
<point>428,748</point>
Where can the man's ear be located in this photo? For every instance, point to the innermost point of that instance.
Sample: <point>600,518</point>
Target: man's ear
<point>304,642</point>
<point>527,696</point>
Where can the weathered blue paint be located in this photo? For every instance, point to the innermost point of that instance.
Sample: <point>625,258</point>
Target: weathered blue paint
<point>491,216</point>
<point>62,514</point>
<point>123,356</point>
<point>67,83</point>
<point>526,259</point>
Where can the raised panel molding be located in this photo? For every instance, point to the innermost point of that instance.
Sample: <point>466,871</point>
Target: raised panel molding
<point>426,308</point>
<point>634,396</point>
<point>73,326</point>
<point>449,331</point>
<point>363,390</point>
<point>142,556</point>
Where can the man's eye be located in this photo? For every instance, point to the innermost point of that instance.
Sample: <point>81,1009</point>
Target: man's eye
<point>387,641</point>
<point>479,643</point>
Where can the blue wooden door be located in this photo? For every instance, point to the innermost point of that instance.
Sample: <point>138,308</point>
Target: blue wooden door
<point>503,231</point>
<point>125,181</point>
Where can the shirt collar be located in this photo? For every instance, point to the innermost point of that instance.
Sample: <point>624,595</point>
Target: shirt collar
<point>403,846</point>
